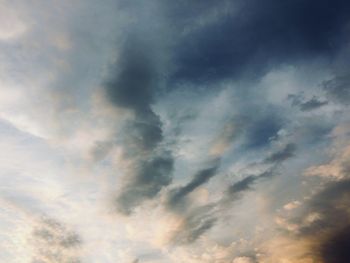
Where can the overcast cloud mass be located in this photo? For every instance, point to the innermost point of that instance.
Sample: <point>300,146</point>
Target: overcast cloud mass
<point>175,131</point>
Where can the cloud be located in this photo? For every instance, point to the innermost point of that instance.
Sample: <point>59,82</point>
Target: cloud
<point>292,205</point>
<point>332,205</point>
<point>53,242</point>
<point>134,77</point>
<point>307,105</point>
<point>199,220</point>
<point>177,195</point>
<point>282,155</point>
<point>231,131</point>
<point>176,113</point>
<point>132,85</point>
<point>146,182</point>
<point>235,190</point>
<point>11,24</point>
<point>312,104</point>
<point>250,126</point>
<point>145,132</point>
<point>243,260</point>
<point>194,224</point>
<point>337,168</point>
<point>338,89</point>
<point>320,231</point>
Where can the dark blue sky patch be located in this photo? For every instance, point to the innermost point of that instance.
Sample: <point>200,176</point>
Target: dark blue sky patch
<point>259,36</point>
<point>262,131</point>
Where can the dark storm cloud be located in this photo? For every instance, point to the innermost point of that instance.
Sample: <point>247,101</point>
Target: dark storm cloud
<point>257,36</point>
<point>306,105</point>
<point>338,89</point>
<point>148,180</point>
<point>201,177</point>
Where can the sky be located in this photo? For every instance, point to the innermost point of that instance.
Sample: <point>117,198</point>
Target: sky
<point>162,131</point>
